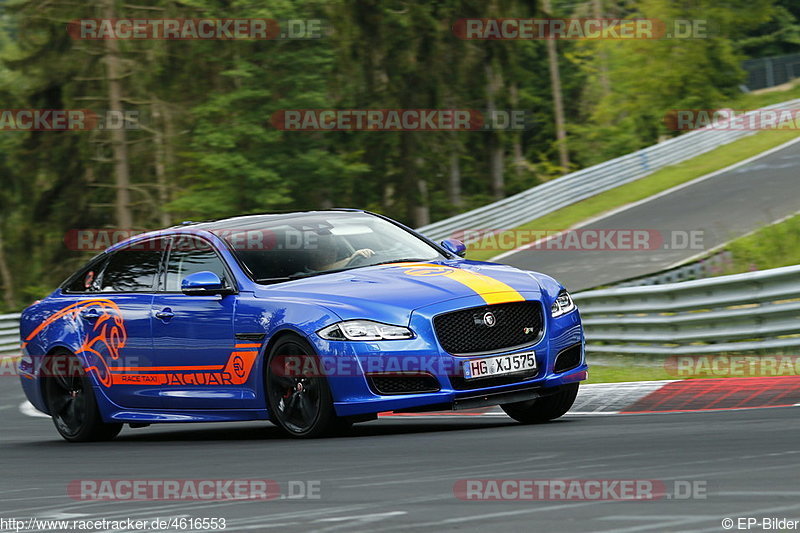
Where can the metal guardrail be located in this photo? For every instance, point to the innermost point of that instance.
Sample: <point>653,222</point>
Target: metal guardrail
<point>538,201</point>
<point>9,334</point>
<point>771,71</point>
<point>744,312</point>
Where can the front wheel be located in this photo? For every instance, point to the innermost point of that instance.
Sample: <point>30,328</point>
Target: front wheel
<point>71,402</point>
<point>298,396</point>
<point>545,408</point>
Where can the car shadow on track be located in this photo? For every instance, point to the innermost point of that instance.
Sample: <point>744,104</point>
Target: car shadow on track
<point>268,432</point>
<point>392,427</point>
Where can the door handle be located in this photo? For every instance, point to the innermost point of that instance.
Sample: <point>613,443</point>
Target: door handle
<point>165,314</point>
<point>90,314</point>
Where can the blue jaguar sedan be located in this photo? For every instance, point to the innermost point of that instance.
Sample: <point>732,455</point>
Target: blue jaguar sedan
<point>312,320</point>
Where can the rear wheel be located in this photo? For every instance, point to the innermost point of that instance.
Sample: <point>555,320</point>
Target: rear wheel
<point>71,401</point>
<point>545,408</point>
<point>299,399</point>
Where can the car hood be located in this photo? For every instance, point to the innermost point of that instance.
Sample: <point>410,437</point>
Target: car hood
<point>390,293</point>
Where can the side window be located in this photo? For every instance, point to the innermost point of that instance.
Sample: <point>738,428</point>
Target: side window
<point>87,279</point>
<point>189,255</point>
<point>132,269</point>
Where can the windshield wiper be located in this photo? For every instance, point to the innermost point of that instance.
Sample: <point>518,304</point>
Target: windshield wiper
<point>411,260</point>
<point>301,275</point>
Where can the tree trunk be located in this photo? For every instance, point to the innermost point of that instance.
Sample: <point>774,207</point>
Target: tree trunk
<point>5,277</point>
<point>416,187</point>
<point>159,156</point>
<point>519,158</point>
<point>496,166</point>
<point>597,8</point>
<point>558,104</point>
<point>119,144</point>
<point>454,182</point>
<point>422,213</point>
<point>496,154</point>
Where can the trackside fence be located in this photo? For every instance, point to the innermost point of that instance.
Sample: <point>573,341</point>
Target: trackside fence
<point>744,312</point>
<point>9,334</point>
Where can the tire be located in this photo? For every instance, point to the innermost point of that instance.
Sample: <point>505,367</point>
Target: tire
<point>300,401</point>
<point>70,399</point>
<point>545,408</point>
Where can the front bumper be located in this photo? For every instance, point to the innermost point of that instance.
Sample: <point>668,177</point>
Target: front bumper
<point>349,363</point>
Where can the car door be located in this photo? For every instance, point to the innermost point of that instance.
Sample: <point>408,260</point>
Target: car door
<point>115,318</point>
<point>193,335</point>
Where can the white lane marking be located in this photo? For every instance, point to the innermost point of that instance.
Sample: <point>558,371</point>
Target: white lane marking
<point>490,516</point>
<point>347,522</point>
<point>649,198</point>
<point>27,409</point>
<point>374,517</point>
<point>614,397</point>
<point>260,526</point>
<point>19,490</point>
<point>57,515</point>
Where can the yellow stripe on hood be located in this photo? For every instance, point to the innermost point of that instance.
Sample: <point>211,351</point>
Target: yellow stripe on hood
<point>491,290</point>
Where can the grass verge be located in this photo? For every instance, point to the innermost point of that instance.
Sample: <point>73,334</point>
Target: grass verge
<point>615,373</point>
<point>773,246</point>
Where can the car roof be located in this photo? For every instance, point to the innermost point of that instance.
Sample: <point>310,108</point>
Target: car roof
<point>255,220</point>
<point>241,222</point>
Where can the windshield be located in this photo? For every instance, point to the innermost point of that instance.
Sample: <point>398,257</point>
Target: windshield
<point>295,246</point>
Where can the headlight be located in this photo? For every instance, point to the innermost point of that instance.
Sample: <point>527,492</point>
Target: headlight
<point>562,305</point>
<point>364,330</point>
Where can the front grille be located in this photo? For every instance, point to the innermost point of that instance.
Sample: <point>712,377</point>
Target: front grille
<point>402,383</point>
<point>568,359</point>
<point>465,332</point>
<point>459,383</point>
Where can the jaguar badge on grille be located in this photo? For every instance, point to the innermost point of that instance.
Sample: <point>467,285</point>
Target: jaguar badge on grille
<point>489,320</point>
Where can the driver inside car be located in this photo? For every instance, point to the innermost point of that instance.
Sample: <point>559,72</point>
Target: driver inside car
<point>324,257</point>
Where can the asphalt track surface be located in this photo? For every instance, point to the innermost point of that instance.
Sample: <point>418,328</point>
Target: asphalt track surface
<point>723,207</point>
<point>398,474</point>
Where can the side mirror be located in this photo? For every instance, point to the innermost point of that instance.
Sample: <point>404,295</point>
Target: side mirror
<point>203,283</point>
<point>454,246</point>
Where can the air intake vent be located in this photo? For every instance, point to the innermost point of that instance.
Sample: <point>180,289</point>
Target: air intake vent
<point>568,359</point>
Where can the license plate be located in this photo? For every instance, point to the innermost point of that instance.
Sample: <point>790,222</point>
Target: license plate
<point>500,365</point>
